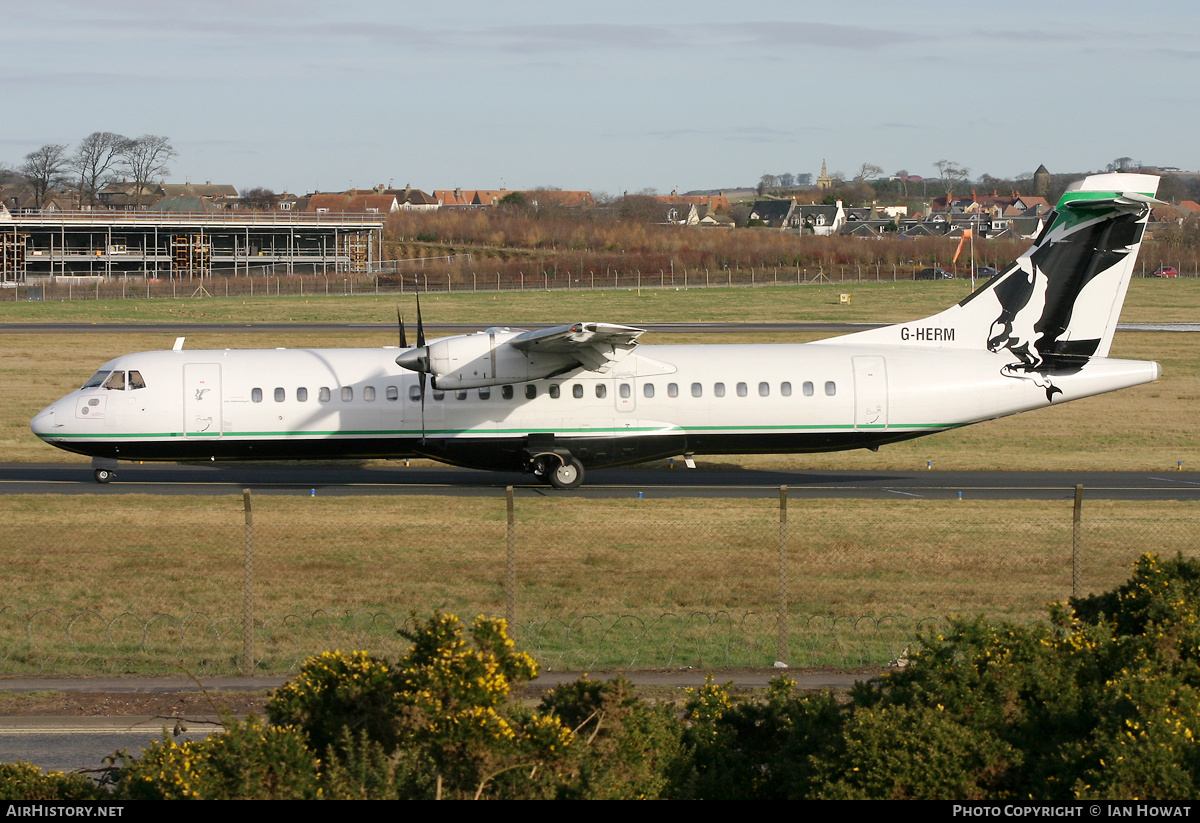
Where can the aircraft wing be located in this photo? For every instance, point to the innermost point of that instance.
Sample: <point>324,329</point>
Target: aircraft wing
<point>594,345</point>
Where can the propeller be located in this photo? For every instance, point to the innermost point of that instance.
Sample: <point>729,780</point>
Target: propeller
<point>417,358</point>
<point>400,322</point>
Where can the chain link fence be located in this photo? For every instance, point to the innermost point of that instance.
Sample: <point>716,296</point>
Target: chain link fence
<point>254,584</point>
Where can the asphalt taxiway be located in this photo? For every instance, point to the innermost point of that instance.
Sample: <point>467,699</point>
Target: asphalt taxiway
<point>648,482</point>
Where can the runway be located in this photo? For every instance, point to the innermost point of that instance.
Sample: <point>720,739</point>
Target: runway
<point>648,482</point>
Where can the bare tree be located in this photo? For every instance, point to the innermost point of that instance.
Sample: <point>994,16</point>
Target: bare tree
<point>146,158</point>
<point>95,160</point>
<point>8,174</point>
<point>45,169</point>
<point>260,199</point>
<point>951,174</point>
<point>868,171</point>
<point>902,174</point>
<point>1124,164</point>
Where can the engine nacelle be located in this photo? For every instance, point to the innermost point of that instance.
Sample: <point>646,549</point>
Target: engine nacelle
<point>470,361</point>
<point>500,355</point>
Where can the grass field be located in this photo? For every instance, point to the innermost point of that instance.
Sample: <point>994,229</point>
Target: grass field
<point>633,583</point>
<point>1149,301</point>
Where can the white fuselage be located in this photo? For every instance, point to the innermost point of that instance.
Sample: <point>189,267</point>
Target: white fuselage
<point>657,402</point>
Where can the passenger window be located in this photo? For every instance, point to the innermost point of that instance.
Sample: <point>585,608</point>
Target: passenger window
<point>393,393</point>
<point>808,388</point>
<point>369,393</point>
<point>742,389</point>
<point>485,392</point>
<point>302,394</point>
<point>764,389</point>
<point>577,391</point>
<point>439,396</point>
<point>719,389</point>
<point>506,392</point>
<point>347,394</point>
<point>136,381</point>
<point>116,381</point>
<point>830,388</point>
<point>461,394</point>
<point>280,394</point>
<point>672,390</point>
<point>697,390</point>
<point>256,395</point>
<point>414,393</point>
<point>785,388</point>
<point>554,391</point>
<point>625,391</point>
<point>601,390</point>
<point>324,395</point>
<point>648,389</point>
<point>530,392</point>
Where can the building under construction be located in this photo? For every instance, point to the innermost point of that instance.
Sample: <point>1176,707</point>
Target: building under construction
<point>156,245</point>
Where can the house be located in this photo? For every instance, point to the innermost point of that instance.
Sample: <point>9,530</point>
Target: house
<point>820,219</point>
<point>352,203</point>
<point>184,204</point>
<point>679,214</point>
<point>775,214</point>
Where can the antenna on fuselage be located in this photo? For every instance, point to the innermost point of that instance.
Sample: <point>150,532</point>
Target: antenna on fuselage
<point>178,344</point>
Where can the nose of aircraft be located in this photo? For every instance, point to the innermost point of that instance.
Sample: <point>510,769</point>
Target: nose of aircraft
<point>43,423</point>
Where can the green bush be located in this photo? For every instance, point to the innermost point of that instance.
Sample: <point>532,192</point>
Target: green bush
<point>25,781</point>
<point>249,760</point>
<point>623,747</point>
<point>1103,701</point>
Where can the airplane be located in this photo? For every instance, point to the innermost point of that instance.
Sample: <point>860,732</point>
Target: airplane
<point>560,401</point>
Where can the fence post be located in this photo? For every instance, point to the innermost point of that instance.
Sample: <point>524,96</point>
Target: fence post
<point>781,646</point>
<point>510,569</point>
<point>1077,545</point>
<point>247,666</point>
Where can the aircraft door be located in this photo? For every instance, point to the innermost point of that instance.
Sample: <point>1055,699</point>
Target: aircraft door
<point>624,391</point>
<point>870,393</point>
<point>202,400</point>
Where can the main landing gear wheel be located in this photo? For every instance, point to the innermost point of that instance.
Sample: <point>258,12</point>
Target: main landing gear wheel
<point>567,475</point>
<point>103,475</point>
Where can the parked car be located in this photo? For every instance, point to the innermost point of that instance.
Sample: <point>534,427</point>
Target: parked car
<point>1165,271</point>
<point>934,274</point>
<point>986,272</point>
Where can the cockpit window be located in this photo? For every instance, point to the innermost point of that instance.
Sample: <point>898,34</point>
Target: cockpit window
<point>136,381</point>
<point>115,381</point>
<point>96,379</point>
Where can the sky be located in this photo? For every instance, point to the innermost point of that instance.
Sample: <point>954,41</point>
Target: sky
<point>605,96</point>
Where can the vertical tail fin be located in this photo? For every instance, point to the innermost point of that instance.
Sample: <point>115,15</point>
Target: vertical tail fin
<point>1059,301</point>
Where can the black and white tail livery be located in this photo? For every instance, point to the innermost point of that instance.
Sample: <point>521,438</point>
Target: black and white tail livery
<point>556,402</point>
<point>1056,306</point>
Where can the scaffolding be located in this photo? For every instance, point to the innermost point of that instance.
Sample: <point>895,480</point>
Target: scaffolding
<point>144,245</point>
<point>353,248</point>
<point>12,256</point>
<point>190,256</point>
